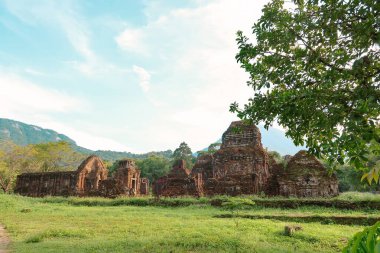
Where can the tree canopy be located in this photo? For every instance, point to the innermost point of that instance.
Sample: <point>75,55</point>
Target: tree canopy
<point>183,152</point>
<point>315,69</point>
<point>52,156</point>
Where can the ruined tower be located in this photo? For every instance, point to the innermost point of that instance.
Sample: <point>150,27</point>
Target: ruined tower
<point>240,166</point>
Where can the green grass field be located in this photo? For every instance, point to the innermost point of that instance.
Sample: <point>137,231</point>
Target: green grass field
<point>63,225</point>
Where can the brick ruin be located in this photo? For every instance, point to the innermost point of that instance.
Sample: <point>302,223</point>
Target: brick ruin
<point>126,181</point>
<point>90,172</point>
<point>305,176</point>
<point>177,182</point>
<point>240,166</point>
<point>46,183</point>
<point>90,179</point>
<point>243,166</point>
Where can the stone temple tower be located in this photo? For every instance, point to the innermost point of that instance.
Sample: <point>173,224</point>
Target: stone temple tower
<point>241,166</point>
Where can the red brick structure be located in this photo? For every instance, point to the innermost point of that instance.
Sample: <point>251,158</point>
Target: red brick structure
<point>90,179</point>
<point>305,176</point>
<point>243,166</point>
<point>89,174</point>
<point>129,176</point>
<point>47,183</point>
<point>144,186</point>
<point>84,181</point>
<point>177,183</point>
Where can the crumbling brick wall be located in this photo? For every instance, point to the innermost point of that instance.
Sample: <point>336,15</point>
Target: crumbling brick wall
<point>177,183</point>
<point>305,176</point>
<point>84,181</point>
<point>128,175</point>
<point>144,186</point>
<point>61,183</point>
<point>126,181</point>
<point>90,172</point>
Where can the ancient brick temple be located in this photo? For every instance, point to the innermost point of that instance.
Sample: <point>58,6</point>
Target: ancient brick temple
<point>89,174</point>
<point>177,182</point>
<point>126,181</point>
<point>83,181</point>
<point>90,179</point>
<point>305,176</point>
<point>243,166</point>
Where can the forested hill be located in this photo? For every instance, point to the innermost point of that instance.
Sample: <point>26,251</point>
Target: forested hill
<point>24,134</point>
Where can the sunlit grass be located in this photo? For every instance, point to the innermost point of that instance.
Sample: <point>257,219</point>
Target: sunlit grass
<point>55,225</point>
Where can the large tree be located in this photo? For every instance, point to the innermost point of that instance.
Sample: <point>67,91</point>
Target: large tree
<point>154,167</point>
<point>315,69</point>
<point>183,152</point>
<point>52,156</point>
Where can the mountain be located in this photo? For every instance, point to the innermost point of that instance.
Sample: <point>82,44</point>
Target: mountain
<point>24,134</point>
<point>275,140</point>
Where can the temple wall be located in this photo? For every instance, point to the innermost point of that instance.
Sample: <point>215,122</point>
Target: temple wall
<point>47,183</point>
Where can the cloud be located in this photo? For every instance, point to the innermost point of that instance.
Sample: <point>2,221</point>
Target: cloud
<point>193,50</point>
<point>65,16</point>
<point>132,40</point>
<point>29,102</point>
<point>20,96</point>
<point>144,77</point>
<point>85,139</point>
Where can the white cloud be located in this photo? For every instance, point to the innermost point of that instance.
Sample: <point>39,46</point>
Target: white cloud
<point>34,72</point>
<point>85,139</point>
<point>194,51</point>
<point>20,96</point>
<point>144,77</point>
<point>132,40</point>
<point>29,102</point>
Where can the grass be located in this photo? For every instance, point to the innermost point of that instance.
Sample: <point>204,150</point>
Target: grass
<point>57,224</point>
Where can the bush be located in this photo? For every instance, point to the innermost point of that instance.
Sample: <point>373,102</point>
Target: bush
<point>365,241</point>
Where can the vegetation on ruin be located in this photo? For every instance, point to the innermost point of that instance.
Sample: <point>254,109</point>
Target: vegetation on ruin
<point>315,69</point>
<point>53,224</point>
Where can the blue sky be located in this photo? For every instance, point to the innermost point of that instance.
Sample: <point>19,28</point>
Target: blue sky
<point>124,75</point>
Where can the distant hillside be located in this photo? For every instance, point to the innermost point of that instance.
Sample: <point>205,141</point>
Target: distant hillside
<point>24,134</point>
<point>275,140</point>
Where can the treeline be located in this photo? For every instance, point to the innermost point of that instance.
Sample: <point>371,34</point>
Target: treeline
<point>52,156</point>
<point>61,156</point>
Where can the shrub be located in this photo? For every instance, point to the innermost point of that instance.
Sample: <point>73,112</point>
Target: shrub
<point>365,241</point>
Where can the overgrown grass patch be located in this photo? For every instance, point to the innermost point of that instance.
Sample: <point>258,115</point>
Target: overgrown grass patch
<point>178,225</point>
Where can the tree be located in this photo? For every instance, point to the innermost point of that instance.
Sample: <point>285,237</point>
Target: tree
<point>183,152</point>
<point>57,156</point>
<point>315,69</point>
<point>13,161</point>
<point>53,156</point>
<point>276,156</point>
<point>212,148</point>
<point>153,167</point>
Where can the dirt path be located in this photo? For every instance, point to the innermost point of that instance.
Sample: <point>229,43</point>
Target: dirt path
<point>4,240</point>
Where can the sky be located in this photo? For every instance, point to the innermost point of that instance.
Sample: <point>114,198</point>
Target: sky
<point>124,75</point>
